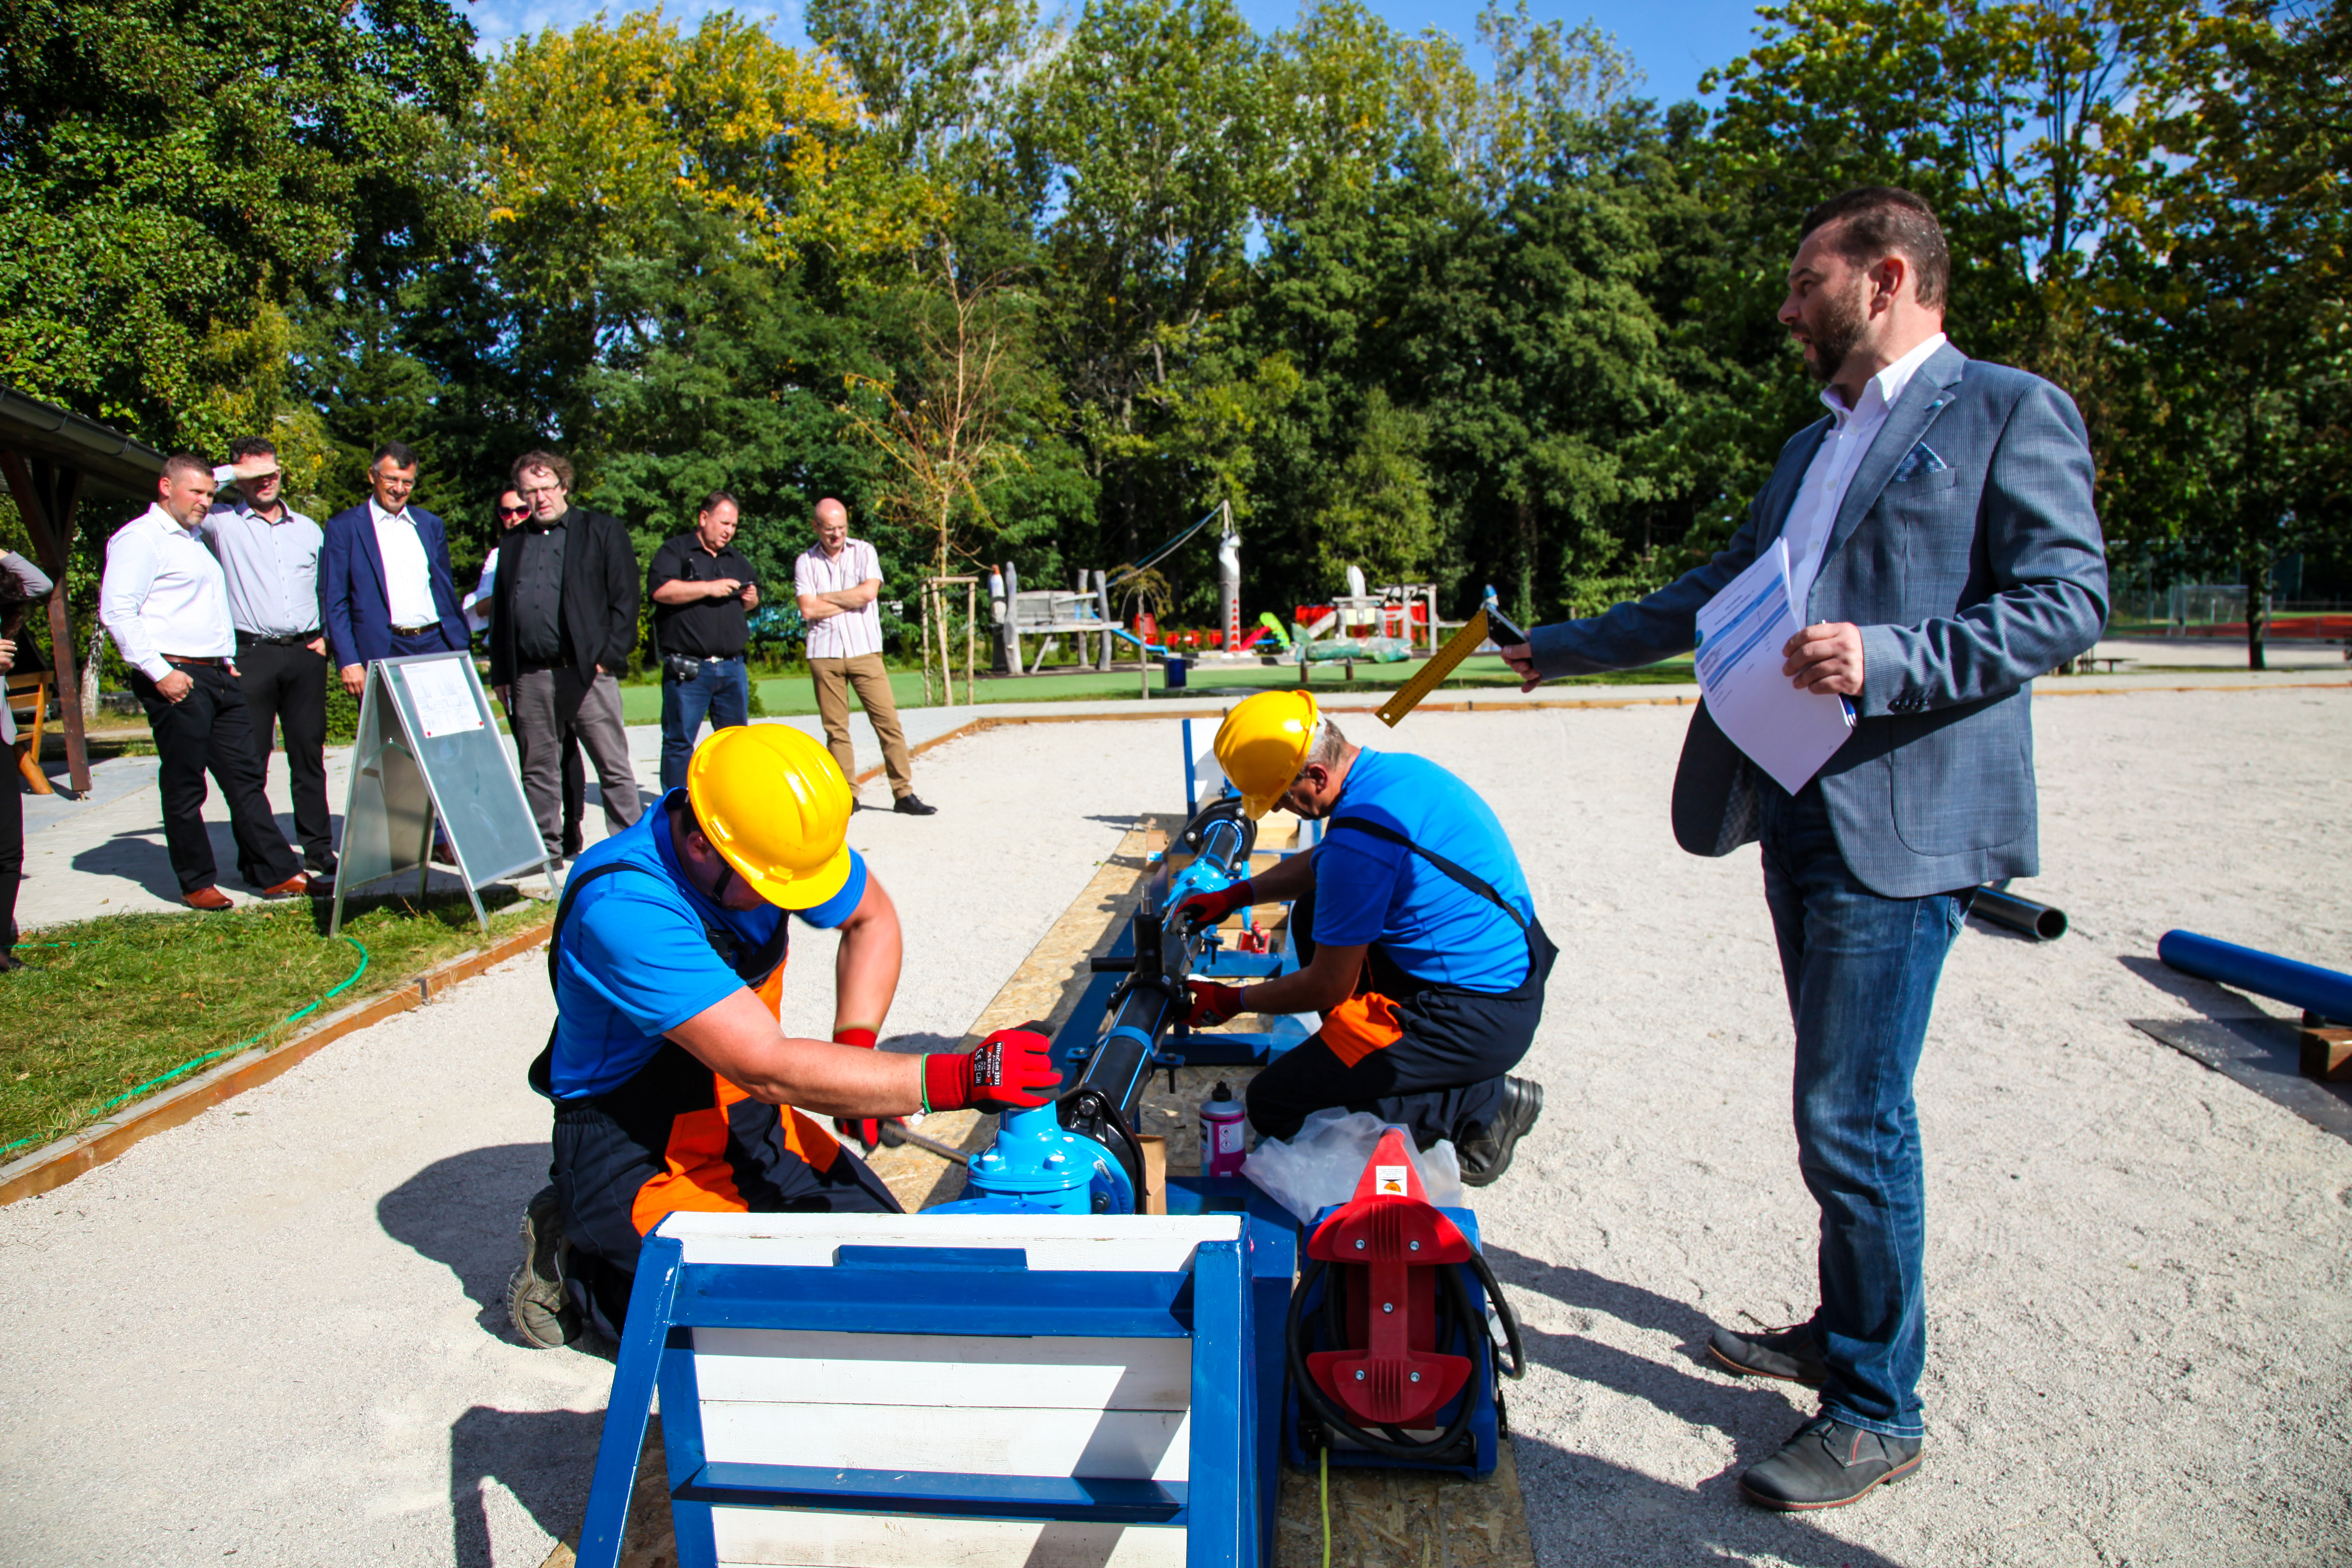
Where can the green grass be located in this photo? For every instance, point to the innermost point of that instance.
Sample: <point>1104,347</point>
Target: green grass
<point>787,695</point>
<point>127,997</point>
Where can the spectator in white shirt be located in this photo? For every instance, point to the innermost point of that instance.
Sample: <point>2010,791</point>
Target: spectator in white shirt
<point>165,603</point>
<point>838,578</point>
<point>269,554</point>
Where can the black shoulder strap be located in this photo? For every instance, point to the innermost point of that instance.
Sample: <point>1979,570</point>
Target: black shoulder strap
<point>1469,879</point>
<point>752,968</point>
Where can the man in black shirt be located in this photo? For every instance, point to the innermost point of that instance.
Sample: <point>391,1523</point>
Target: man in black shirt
<point>702,592</point>
<point>564,622</point>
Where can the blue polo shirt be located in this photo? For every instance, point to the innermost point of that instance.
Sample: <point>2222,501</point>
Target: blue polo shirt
<point>1372,891</point>
<point>632,962</point>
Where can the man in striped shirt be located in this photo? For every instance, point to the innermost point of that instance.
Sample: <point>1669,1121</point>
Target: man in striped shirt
<point>837,579</point>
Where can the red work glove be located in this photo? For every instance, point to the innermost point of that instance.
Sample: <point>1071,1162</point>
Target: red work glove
<point>1213,1003</point>
<point>866,1130</point>
<point>1010,1070</point>
<point>1211,908</point>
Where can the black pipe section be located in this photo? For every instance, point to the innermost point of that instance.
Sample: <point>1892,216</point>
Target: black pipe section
<point>1152,999</point>
<point>2039,922</point>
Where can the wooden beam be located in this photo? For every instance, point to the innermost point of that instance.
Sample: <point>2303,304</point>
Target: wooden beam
<point>47,499</point>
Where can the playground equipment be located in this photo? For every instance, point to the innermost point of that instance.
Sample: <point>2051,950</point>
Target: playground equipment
<point>2321,993</point>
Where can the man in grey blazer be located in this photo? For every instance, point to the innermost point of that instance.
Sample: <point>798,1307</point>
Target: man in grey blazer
<point>1944,549</point>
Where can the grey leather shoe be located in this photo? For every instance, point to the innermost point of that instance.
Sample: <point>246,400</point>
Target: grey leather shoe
<point>1829,1464</point>
<point>1787,1353</point>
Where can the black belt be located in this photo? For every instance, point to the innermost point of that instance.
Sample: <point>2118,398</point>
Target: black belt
<point>296,639</point>
<point>417,631</point>
<point>198,663</point>
<point>539,666</point>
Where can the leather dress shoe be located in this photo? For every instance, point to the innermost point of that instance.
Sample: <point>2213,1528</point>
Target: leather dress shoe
<point>1787,1353</point>
<point>293,886</point>
<point>1828,1464</point>
<point>1485,1151</point>
<point>909,806</point>
<point>207,898</point>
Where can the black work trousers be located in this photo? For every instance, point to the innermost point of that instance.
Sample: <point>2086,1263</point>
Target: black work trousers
<point>12,852</point>
<point>209,732</point>
<point>285,687</point>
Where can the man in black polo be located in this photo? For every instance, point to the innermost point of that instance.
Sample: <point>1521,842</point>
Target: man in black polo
<point>702,592</point>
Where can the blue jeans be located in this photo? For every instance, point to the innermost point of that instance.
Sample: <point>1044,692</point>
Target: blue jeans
<point>721,690</point>
<point>1861,971</point>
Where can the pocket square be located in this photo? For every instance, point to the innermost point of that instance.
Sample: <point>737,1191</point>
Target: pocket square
<point>1920,460</point>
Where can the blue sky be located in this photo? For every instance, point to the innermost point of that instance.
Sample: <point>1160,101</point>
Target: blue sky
<point>1673,40</point>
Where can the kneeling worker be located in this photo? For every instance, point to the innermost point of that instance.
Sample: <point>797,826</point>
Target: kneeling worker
<point>1416,938</point>
<point>674,1088</point>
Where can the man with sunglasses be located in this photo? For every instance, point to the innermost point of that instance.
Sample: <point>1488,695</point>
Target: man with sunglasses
<point>269,554</point>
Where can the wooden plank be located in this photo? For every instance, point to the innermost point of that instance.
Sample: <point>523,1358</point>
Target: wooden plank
<point>803,1540</point>
<point>1406,1518</point>
<point>1117,1444</point>
<point>930,1370</point>
<point>2327,1054</point>
<point>54,1165</point>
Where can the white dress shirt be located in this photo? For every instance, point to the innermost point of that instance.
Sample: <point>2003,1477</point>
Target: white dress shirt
<point>852,633</point>
<point>272,568</point>
<point>1814,512</point>
<point>477,605</point>
<point>164,593</point>
<point>407,578</point>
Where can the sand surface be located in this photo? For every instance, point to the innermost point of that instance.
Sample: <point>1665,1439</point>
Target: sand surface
<point>275,1335</point>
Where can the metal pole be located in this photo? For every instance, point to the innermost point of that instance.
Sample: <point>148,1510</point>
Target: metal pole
<point>971,638</point>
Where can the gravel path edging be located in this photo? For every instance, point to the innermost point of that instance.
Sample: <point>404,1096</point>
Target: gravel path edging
<point>54,1165</point>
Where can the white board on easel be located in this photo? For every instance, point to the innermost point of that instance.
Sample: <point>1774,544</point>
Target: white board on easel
<point>429,751</point>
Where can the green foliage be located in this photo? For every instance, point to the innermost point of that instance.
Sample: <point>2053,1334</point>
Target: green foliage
<point>1046,292</point>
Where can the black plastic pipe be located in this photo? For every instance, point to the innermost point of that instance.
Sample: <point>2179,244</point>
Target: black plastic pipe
<point>2039,922</point>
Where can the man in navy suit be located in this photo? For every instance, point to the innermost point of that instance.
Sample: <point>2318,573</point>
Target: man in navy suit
<point>384,587</point>
<point>1943,553</point>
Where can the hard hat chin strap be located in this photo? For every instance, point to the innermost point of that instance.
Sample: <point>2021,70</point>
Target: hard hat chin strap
<point>726,867</point>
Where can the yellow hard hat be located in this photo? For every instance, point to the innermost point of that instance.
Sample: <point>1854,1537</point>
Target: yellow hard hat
<point>1263,743</point>
<point>773,804</point>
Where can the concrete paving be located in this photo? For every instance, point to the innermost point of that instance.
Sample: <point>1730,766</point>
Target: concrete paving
<point>276,1332</point>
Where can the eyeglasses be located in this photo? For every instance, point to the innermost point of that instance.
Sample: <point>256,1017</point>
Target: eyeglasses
<point>514,512</point>
<point>534,493</point>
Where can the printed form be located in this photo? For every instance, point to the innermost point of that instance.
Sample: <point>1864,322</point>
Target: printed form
<point>1786,732</point>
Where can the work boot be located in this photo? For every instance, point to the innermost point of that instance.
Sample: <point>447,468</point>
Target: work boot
<point>542,1310</point>
<point>1485,1151</point>
<point>1829,1464</point>
<point>1789,1353</point>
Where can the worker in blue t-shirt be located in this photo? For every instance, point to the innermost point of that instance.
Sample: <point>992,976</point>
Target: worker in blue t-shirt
<point>674,1085</point>
<point>1416,938</point>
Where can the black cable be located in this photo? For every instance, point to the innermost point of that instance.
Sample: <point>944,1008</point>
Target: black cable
<point>1310,1393</point>
<point>1518,1367</point>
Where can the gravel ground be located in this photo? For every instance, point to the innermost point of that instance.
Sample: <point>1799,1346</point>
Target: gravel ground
<point>276,1332</point>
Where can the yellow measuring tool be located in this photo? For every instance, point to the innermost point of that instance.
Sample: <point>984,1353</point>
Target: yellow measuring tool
<point>1442,663</point>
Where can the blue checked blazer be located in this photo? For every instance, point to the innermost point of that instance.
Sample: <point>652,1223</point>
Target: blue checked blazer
<point>1968,553</point>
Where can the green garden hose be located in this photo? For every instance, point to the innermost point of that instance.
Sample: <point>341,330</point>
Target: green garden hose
<point>190,1065</point>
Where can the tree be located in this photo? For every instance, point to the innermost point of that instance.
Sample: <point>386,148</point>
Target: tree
<point>2230,269</point>
<point>175,178</point>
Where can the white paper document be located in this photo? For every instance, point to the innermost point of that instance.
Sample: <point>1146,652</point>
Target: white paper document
<point>1788,733</point>
<point>443,696</point>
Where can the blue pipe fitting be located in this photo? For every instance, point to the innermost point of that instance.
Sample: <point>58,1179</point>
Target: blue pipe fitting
<point>1037,1166</point>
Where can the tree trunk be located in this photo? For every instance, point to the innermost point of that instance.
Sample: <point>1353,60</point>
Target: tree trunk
<point>2257,612</point>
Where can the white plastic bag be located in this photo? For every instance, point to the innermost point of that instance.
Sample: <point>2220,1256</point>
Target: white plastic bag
<point>1322,1163</point>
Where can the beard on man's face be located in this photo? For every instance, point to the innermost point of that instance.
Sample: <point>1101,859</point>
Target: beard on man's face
<point>1838,324</point>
